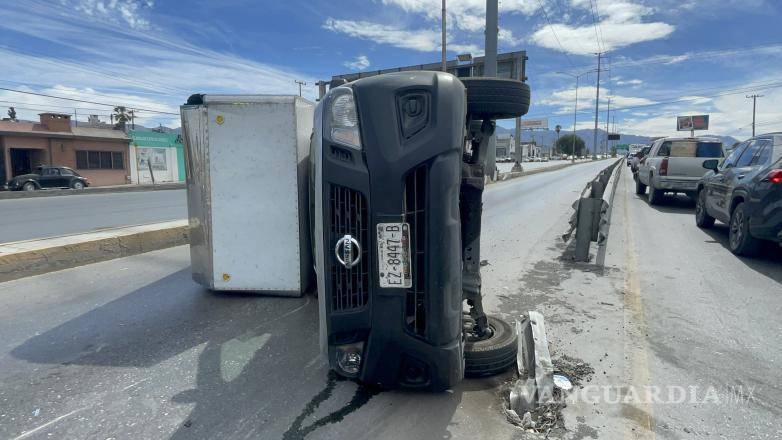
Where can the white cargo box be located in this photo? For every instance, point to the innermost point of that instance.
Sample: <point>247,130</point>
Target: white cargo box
<point>247,192</point>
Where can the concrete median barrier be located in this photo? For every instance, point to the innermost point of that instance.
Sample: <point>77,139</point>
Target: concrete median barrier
<point>33,257</point>
<point>5,195</point>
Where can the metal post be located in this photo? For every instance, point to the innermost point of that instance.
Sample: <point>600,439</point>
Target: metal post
<point>597,104</point>
<point>490,44</point>
<point>608,118</point>
<point>490,70</point>
<point>443,43</point>
<point>754,102</point>
<point>575,117</point>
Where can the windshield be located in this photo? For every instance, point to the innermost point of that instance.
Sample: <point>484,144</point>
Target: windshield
<point>691,148</point>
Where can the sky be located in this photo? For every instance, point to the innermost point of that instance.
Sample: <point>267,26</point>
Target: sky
<point>666,57</point>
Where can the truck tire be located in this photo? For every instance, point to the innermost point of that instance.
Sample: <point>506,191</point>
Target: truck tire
<point>702,217</point>
<point>640,188</point>
<point>655,195</point>
<point>493,355</point>
<point>740,241</point>
<point>496,98</point>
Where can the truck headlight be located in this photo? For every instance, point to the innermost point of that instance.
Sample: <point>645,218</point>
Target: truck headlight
<point>342,120</point>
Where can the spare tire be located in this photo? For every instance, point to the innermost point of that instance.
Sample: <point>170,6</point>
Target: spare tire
<point>496,98</point>
<point>493,355</point>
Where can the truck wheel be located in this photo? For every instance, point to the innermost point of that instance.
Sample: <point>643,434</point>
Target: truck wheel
<point>640,188</point>
<point>493,355</point>
<point>702,218</point>
<point>739,239</point>
<point>496,98</point>
<point>655,195</point>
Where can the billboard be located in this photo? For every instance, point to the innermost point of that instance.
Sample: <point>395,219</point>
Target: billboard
<point>613,136</point>
<point>531,124</point>
<point>689,123</point>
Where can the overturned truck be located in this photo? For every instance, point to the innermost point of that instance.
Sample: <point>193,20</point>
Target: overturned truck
<point>397,166</point>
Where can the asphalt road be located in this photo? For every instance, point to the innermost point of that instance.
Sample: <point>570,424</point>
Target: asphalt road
<point>133,348</point>
<point>40,217</point>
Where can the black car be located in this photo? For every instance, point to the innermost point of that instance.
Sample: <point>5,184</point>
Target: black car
<point>46,177</point>
<point>745,191</point>
<point>398,164</point>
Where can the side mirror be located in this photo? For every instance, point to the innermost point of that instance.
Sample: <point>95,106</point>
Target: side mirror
<point>711,164</point>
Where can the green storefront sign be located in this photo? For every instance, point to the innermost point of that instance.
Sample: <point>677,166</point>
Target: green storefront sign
<point>156,139</point>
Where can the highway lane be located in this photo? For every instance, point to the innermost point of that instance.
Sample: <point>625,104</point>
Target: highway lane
<point>712,322</point>
<point>133,348</point>
<point>40,217</point>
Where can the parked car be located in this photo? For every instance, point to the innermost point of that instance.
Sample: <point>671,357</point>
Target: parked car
<point>46,177</point>
<point>675,165</point>
<point>745,192</point>
<point>637,157</point>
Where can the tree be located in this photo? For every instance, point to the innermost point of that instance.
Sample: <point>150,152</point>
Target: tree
<point>122,114</point>
<point>12,113</point>
<point>565,145</point>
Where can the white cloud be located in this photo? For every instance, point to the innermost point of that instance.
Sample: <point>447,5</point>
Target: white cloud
<point>620,26</point>
<point>424,40</point>
<point>565,99</point>
<point>102,70</point>
<point>361,62</point>
<point>631,82</point>
<point>468,15</point>
<point>127,11</point>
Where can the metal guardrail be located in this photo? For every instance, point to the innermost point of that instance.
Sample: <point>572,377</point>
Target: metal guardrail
<point>591,214</point>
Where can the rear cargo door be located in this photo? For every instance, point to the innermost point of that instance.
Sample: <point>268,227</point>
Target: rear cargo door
<point>686,157</point>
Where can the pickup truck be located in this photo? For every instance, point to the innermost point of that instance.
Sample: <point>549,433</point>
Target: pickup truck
<point>675,165</point>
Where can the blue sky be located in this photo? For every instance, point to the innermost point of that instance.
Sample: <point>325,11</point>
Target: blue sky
<point>667,57</point>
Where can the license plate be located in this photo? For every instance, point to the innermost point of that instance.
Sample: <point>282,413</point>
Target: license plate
<point>393,251</point>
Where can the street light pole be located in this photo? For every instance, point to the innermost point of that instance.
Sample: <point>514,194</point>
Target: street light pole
<point>597,103</point>
<point>443,37</point>
<point>575,107</point>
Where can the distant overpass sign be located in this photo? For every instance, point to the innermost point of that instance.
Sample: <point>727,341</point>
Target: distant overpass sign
<point>534,124</point>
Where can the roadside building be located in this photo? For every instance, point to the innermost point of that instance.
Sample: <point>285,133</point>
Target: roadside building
<point>503,145</point>
<point>153,152</point>
<point>99,154</point>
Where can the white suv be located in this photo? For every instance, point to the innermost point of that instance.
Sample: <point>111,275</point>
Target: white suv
<point>675,165</point>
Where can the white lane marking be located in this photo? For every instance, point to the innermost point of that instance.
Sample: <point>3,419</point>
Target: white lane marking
<point>47,424</point>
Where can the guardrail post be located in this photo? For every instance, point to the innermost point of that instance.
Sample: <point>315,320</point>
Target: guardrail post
<point>584,228</point>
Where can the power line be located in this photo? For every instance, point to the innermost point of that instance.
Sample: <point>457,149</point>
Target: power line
<point>594,24</point>
<point>87,102</point>
<point>599,27</point>
<point>728,92</point>
<point>545,14</point>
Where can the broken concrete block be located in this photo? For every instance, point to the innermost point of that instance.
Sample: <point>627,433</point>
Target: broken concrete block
<point>544,369</point>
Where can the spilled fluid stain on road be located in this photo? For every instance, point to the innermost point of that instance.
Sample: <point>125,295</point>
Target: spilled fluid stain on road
<point>362,395</point>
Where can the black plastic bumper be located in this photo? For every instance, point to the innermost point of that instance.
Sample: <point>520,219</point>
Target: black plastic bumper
<point>408,171</point>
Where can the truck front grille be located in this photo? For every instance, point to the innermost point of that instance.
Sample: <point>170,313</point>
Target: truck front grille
<point>415,215</point>
<point>349,287</point>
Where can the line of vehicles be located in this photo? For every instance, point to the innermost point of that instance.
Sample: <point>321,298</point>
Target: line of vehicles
<point>742,188</point>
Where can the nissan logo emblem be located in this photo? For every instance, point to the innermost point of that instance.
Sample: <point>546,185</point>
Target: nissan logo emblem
<point>347,256</point>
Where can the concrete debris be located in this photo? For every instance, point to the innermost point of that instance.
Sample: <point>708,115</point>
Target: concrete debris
<point>576,370</point>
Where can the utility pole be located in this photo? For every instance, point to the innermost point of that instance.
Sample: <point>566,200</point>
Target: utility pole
<point>300,83</point>
<point>597,102</point>
<point>443,43</point>
<point>490,70</point>
<point>754,106</point>
<point>608,120</point>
